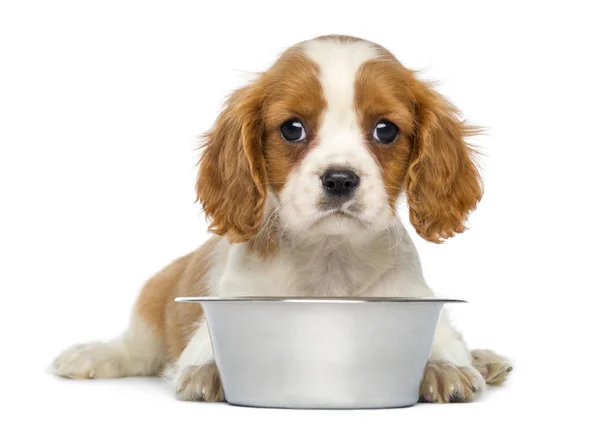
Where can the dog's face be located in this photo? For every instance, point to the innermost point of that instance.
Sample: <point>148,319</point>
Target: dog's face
<point>331,135</point>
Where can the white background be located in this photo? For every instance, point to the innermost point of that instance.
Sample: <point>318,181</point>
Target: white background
<point>101,106</point>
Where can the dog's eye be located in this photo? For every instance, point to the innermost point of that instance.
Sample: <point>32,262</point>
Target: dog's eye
<point>385,132</point>
<point>293,131</point>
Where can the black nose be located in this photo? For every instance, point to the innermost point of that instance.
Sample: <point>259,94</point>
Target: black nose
<point>339,182</point>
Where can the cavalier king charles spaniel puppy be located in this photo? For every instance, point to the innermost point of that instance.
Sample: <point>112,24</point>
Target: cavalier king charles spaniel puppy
<point>299,178</point>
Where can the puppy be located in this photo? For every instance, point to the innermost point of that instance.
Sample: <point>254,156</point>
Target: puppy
<point>300,177</point>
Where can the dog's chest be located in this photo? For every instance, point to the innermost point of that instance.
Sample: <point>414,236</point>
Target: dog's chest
<point>336,271</point>
<point>328,269</point>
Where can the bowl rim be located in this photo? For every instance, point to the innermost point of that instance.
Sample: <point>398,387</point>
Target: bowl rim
<point>320,299</point>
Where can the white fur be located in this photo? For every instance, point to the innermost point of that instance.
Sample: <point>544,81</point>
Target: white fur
<point>199,351</point>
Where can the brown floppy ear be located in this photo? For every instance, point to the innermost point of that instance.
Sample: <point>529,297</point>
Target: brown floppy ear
<point>443,184</point>
<point>232,177</point>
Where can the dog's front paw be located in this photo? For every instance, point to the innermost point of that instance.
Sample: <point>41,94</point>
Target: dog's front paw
<point>493,367</point>
<point>200,383</point>
<point>446,383</point>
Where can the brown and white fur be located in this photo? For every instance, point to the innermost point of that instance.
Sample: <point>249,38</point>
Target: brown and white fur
<point>278,231</point>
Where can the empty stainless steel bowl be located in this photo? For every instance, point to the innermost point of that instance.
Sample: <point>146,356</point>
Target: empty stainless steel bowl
<point>329,353</point>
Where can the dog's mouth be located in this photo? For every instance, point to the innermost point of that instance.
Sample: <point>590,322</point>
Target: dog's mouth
<point>342,213</point>
<point>338,216</point>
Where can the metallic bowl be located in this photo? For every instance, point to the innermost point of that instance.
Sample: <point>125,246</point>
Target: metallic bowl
<point>330,353</point>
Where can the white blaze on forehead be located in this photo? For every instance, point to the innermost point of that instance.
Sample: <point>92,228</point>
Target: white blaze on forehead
<point>338,63</point>
<point>339,136</point>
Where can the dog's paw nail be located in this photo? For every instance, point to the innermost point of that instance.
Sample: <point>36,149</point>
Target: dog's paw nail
<point>509,369</point>
<point>428,398</point>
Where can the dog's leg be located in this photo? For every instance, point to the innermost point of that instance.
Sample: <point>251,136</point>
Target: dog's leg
<point>195,375</point>
<point>449,375</point>
<point>139,351</point>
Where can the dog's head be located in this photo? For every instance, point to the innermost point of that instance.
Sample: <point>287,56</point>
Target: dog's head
<point>331,135</point>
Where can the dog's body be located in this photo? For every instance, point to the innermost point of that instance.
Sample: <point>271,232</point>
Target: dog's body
<point>300,177</point>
